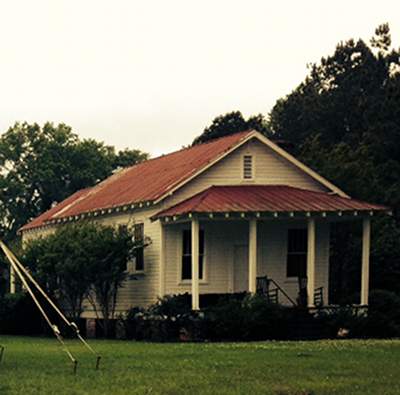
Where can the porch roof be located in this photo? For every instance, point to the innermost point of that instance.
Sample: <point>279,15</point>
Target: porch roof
<point>265,198</point>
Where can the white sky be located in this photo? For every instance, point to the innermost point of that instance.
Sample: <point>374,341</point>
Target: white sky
<point>152,74</point>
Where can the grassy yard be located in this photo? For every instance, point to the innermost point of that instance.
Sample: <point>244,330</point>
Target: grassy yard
<point>38,366</point>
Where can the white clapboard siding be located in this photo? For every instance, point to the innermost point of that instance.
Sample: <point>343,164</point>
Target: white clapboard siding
<point>269,169</point>
<point>137,290</point>
<point>221,238</point>
<point>140,289</point>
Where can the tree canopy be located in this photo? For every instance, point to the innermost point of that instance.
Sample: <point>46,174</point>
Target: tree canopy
<point>230,123</point>
<point>40,166</point>
<point>83,261</point>
<point>344,121</point>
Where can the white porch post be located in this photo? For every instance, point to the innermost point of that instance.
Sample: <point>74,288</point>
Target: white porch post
<point>366,242</point>
<point>162,261</point>
<point>310,261</point>
<point>252,255</point>
<point>195,265</point>
<point>12,280</point>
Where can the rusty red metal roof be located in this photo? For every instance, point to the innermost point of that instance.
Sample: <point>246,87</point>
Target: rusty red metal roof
<point>49,214</point>
<point>144,182</point>
<point>265,198</point>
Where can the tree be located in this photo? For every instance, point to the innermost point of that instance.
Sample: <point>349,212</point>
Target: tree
<point>230,123</point>
<point>343,120</point>
<point>114,248</point>
<point>40,166</point>
<point>83,261</point>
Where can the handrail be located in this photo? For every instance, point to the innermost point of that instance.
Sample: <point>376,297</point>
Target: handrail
<point>283,292</point>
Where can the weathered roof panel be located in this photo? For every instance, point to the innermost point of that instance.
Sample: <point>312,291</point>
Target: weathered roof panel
<point>146,181</point>
<point>265,198</point>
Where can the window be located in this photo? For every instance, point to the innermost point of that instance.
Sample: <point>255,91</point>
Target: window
<point>187,254</point>
<point>297,253</point>
<point>138,237</point>
<point>247,167</point>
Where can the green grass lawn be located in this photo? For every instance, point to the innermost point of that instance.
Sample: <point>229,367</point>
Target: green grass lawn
<point>38,366</point>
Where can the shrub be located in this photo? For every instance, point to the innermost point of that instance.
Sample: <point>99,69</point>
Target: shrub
<point>19,315</point>
<point>169,319</point>
<point>232,317</point>
<point>383,318</point>
<point>236,318</point>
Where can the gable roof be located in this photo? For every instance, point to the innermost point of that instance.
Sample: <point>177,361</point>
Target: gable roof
<point>264,198</point>
<point>154,179</point>
<point>48,215</point>
<point>144,182</point>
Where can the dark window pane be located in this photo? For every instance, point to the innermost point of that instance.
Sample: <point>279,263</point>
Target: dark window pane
<point>297,265</point>
<point>297,253</point>
<point>186,267</point>
<point>201,242</point>
<point>138,235</point>
<point>201,259</point>
<point>187,254</point>
<point>297,240</point>
<point>187,242</point>
<point>139,259</point>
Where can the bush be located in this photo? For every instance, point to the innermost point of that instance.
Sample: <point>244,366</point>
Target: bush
<point>382,320</point>
<point>19,315</point>
<point>235,317</point>
<point>170,319</point>
<point>231,317</point>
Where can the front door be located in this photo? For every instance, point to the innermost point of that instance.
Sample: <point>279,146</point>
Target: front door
<point>240,268</point>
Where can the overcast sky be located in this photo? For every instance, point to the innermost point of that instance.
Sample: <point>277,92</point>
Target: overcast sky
<point>152,74</point>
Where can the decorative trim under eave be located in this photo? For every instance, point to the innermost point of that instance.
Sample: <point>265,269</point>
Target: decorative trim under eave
<point>349,214</point>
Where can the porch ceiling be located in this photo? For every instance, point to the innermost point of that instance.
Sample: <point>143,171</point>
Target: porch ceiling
<point>266,199</point>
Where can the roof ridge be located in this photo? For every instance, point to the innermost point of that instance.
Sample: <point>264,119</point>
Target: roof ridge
<point>244,132</point>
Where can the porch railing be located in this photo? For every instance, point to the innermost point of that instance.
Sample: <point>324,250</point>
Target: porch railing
<point>272,294</point>
<point>264,288</point>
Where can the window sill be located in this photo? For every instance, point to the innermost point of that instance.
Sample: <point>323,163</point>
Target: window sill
<point>133,275</point>
<point>290,280</point>
<point>189,282</point>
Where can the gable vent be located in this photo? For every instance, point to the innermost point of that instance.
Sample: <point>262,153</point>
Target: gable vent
<point>247,167</point>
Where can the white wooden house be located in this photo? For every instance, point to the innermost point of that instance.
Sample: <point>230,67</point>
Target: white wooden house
<point>220,216</point>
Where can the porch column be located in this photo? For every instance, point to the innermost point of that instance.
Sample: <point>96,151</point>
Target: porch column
<point>310,261</point>
<point>252,256</point>
<point>12,280</point>
<point>366,242</point>
<point>162,261</point>
<point>195,265</point>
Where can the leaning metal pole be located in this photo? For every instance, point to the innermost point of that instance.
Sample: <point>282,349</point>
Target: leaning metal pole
<point>22,272</point>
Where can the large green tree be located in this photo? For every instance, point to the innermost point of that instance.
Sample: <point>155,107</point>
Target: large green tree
<point>40,166</point>
<point>344,121</point>
<point>83,261</point>
<point>230,123</point>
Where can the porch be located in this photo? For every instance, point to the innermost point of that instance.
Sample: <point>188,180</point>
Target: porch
<point>272,239</point>
<point>285,258</point>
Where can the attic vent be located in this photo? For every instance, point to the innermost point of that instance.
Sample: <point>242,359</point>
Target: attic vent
<point>247,167</point>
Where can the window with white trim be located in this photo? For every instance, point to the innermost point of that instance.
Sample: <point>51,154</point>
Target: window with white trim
<point>187,254</point>
<point>248,167</point>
